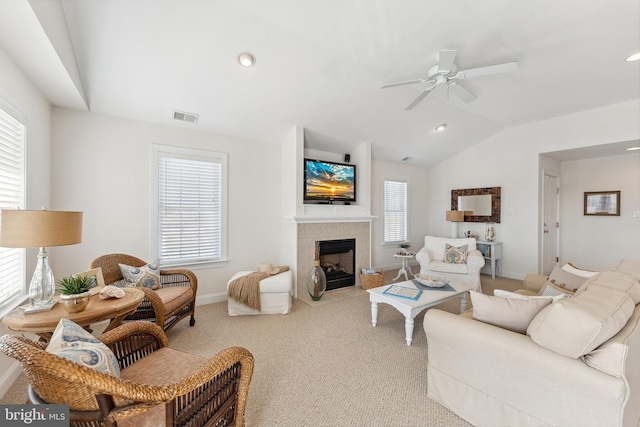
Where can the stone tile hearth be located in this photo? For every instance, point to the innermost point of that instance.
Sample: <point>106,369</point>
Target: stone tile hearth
<point>309,233</point>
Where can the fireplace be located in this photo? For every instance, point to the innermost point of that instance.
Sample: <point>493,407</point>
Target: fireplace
<point>337,259</point>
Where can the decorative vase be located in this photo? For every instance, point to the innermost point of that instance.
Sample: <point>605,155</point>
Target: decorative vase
<point>75,303</point>
<point>490,231</point>
<point>316,281</point>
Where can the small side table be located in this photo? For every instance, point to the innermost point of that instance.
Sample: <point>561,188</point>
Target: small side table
<point>492,252</point>
<point>44,323</point>
<point>405,265</point>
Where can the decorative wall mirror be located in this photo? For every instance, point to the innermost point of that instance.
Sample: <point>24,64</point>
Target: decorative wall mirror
<point>479,204</point>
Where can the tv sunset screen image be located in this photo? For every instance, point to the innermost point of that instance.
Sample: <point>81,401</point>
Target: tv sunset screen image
<point>329,181</point>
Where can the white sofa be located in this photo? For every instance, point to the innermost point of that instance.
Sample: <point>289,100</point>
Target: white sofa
<point>491,376</point>
<point>431,260</point>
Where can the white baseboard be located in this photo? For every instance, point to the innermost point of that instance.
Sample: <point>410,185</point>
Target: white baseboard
<point>9,377</point>
<point>211,298</point>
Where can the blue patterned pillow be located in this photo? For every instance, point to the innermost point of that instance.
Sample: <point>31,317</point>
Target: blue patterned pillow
<point>73,342</point>
<point>455,255</point>
<point>147,275</point>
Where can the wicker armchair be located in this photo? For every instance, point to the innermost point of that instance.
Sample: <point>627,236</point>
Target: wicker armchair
<point>159,386</point>
<point>175,300</point>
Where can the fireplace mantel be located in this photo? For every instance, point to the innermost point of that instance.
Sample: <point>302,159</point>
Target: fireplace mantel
<point>322,219</point>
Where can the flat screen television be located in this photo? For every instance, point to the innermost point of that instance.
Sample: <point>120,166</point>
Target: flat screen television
<point>327,182</point>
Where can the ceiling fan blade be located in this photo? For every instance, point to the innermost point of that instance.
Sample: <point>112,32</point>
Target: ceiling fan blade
<point>410,82</point>
<point>485,71</point>
<point>462,92</point>
<point>445,61</point>
<point>419,98</point>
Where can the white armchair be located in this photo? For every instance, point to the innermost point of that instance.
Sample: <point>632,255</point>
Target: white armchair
<point>431,260</point>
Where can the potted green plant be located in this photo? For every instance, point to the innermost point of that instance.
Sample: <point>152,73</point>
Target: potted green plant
<point>75,292</point>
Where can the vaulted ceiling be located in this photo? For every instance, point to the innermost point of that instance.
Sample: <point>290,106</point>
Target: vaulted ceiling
<point>321,64</point>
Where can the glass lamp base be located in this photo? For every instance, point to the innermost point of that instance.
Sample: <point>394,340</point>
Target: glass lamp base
<point>38,308</point>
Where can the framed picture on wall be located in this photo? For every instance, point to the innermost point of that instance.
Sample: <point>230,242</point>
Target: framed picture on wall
<point>602,203</point>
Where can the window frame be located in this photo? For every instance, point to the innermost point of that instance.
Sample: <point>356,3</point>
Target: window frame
<point>384,211</point>
<point>159,151</point>
<point>17,296</point>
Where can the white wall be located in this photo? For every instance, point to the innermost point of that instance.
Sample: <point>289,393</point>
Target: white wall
<point>510,160</point>
<point>21,95</point>
<point>101,166</point>
<point>597,242</point>
<point>418,210</point>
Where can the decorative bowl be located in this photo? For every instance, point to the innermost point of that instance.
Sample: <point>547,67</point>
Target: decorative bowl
<point>75,303</point>
<point>432,281</point>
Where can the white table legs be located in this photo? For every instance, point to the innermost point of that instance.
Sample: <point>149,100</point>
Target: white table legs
<point>403,270</point>
<point>408,329</point>
<point>374,313</point>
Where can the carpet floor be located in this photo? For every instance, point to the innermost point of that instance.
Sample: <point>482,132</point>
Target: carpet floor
<point>324,364</point>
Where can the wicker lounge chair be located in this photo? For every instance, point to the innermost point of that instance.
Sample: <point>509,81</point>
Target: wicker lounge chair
<point>175,300</point>
<point>159,386</point>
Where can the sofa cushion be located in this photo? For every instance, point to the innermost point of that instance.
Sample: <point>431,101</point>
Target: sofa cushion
<point>508,313</point>
<point>71,341</point>
<point>630,267</point>
<point>147,275</point>
<point>455,254</point>
<point>447,267</point>
<point>610,357</point>
<point>617,280</point>
<point>575,326</point>
<point>564,279</point>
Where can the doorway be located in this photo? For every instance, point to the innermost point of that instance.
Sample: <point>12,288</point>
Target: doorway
<point>550,222</point>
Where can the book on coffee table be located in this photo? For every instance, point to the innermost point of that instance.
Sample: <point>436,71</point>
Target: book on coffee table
<point>403,292</point>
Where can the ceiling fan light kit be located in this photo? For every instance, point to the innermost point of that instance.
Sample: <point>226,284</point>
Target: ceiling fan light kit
<point>445,71</point>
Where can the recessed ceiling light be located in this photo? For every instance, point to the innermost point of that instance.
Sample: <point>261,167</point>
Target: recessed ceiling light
<point>441,127</point>
<point>246,59</point>
<point>634,57</point>
<point>633,148</point>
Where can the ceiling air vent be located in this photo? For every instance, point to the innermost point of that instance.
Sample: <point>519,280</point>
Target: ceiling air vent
<point>185,117</point>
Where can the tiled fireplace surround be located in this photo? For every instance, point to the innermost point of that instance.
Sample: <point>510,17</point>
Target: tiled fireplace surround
<point>309,233</point>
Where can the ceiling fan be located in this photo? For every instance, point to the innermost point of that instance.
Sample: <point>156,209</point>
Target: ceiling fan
<point>445,72</point>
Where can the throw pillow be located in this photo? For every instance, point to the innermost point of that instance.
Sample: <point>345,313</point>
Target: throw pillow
<point>515,295</point>
<point>575,326</point>
<point>564,279</point>
<point>73,342</point>
<point>508,313</point>
<point>147,275</point>
<point>455,255</point>
<point>577,271</point>
<point>552,290</point>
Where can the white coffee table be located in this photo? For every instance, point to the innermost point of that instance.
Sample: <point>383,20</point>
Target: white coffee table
<point>411,308</point>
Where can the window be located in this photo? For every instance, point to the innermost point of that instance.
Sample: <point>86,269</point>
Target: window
<point>190,221</point>
<point>395,211</point>
<point>12,196</point>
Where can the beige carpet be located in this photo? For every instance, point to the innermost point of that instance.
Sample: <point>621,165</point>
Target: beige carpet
<point>324,365</point>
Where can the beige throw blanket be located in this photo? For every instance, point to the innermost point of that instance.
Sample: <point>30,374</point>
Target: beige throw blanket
<point>246,289</point>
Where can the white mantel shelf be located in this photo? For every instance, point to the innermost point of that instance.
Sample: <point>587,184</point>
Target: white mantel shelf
<point>321,219</point>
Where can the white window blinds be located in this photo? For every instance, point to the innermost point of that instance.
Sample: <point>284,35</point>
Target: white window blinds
<point>191,198</point>
<point>12,196</point>
<point>395,211</point>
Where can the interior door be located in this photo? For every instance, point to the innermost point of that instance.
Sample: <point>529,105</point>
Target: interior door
<point>551,223</point>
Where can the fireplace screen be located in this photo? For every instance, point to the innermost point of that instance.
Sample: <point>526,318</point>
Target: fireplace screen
<point>337,259</point>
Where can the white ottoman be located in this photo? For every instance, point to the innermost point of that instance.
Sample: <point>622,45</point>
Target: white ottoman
<point>275,295</point>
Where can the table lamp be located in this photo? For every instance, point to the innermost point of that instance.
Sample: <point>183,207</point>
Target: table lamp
<point>40,229</point>
<point>455,217</point>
